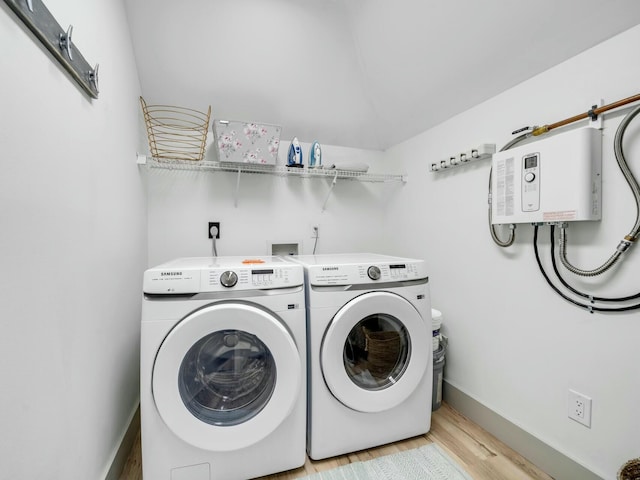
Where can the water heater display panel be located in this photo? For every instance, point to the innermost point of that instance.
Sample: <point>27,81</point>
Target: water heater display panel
<point>555,179</point>
<point>531,183</point>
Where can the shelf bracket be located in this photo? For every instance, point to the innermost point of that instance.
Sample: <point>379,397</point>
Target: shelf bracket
<point>333,184</point>
<point>235,200</point>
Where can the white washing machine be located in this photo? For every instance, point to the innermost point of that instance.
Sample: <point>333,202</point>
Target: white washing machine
<point>370,351</point>
<point>223,368</point>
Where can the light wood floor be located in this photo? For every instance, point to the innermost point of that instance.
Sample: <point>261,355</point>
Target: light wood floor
<point>481,454</point>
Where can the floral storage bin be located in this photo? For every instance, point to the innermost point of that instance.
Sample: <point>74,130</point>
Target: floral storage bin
<point>245,142</point>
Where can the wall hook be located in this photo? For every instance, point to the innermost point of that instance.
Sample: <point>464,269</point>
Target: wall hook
<point>65,42</point>
<point>37,18</point>
<point>93,77</point>
<point>486,150</point>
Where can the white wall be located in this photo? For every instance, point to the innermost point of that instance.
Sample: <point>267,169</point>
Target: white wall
<point>269,209</point>
<point>72,248</point>
<point>515,346</point>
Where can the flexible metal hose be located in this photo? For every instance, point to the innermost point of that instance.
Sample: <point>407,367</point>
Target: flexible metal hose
<point>624,167</point>
<point>628,240</point>
<point>585,273</point>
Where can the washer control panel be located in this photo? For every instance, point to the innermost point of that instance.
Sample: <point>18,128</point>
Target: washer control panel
<point>248,278</point>
<point>177,277</point>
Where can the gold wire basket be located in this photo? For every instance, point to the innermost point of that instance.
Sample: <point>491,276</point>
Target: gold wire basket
<point>176,133</point>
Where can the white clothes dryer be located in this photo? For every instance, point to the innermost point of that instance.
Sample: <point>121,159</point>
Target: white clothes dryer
<point>223,368</point>
<point>370,351</point>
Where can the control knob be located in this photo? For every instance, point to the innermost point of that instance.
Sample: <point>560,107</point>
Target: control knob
<point>373,272</point>
<point>228,279</point>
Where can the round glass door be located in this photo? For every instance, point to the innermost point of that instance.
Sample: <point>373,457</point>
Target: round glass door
<point>226,376</point>
<point>375,352</point>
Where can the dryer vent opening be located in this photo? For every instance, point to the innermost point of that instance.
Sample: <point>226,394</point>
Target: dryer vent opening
<point>285,249</point>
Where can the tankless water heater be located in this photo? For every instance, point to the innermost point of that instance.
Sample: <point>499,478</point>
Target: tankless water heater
<point>555,179</point>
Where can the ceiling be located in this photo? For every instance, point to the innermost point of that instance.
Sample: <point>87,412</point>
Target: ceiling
<point>356,73</point>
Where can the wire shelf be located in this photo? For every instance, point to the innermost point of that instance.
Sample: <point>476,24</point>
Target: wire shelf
<point>277,170</point>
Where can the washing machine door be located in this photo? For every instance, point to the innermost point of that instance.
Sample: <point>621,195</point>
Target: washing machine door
<point>375,352</point>
<point>226,376</point>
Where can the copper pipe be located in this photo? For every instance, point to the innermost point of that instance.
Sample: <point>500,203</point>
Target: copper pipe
<point>595,111</point>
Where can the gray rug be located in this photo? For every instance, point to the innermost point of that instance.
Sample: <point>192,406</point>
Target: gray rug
<point>425,463</point>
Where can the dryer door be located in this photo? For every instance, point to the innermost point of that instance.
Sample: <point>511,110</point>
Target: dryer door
<point>375,352</point>
<point>226,376</point>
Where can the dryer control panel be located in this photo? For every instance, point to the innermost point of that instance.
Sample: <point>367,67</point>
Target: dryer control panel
<point>348,274</point>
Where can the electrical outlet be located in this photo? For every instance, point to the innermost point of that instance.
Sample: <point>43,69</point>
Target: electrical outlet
<point>214,224</point>
<point>579,408</point>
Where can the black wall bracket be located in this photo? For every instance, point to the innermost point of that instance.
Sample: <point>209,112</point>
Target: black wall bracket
<point>44,26</point>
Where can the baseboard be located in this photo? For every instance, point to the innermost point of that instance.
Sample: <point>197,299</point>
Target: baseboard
<point>537,452</point>
<point>122,453</point>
